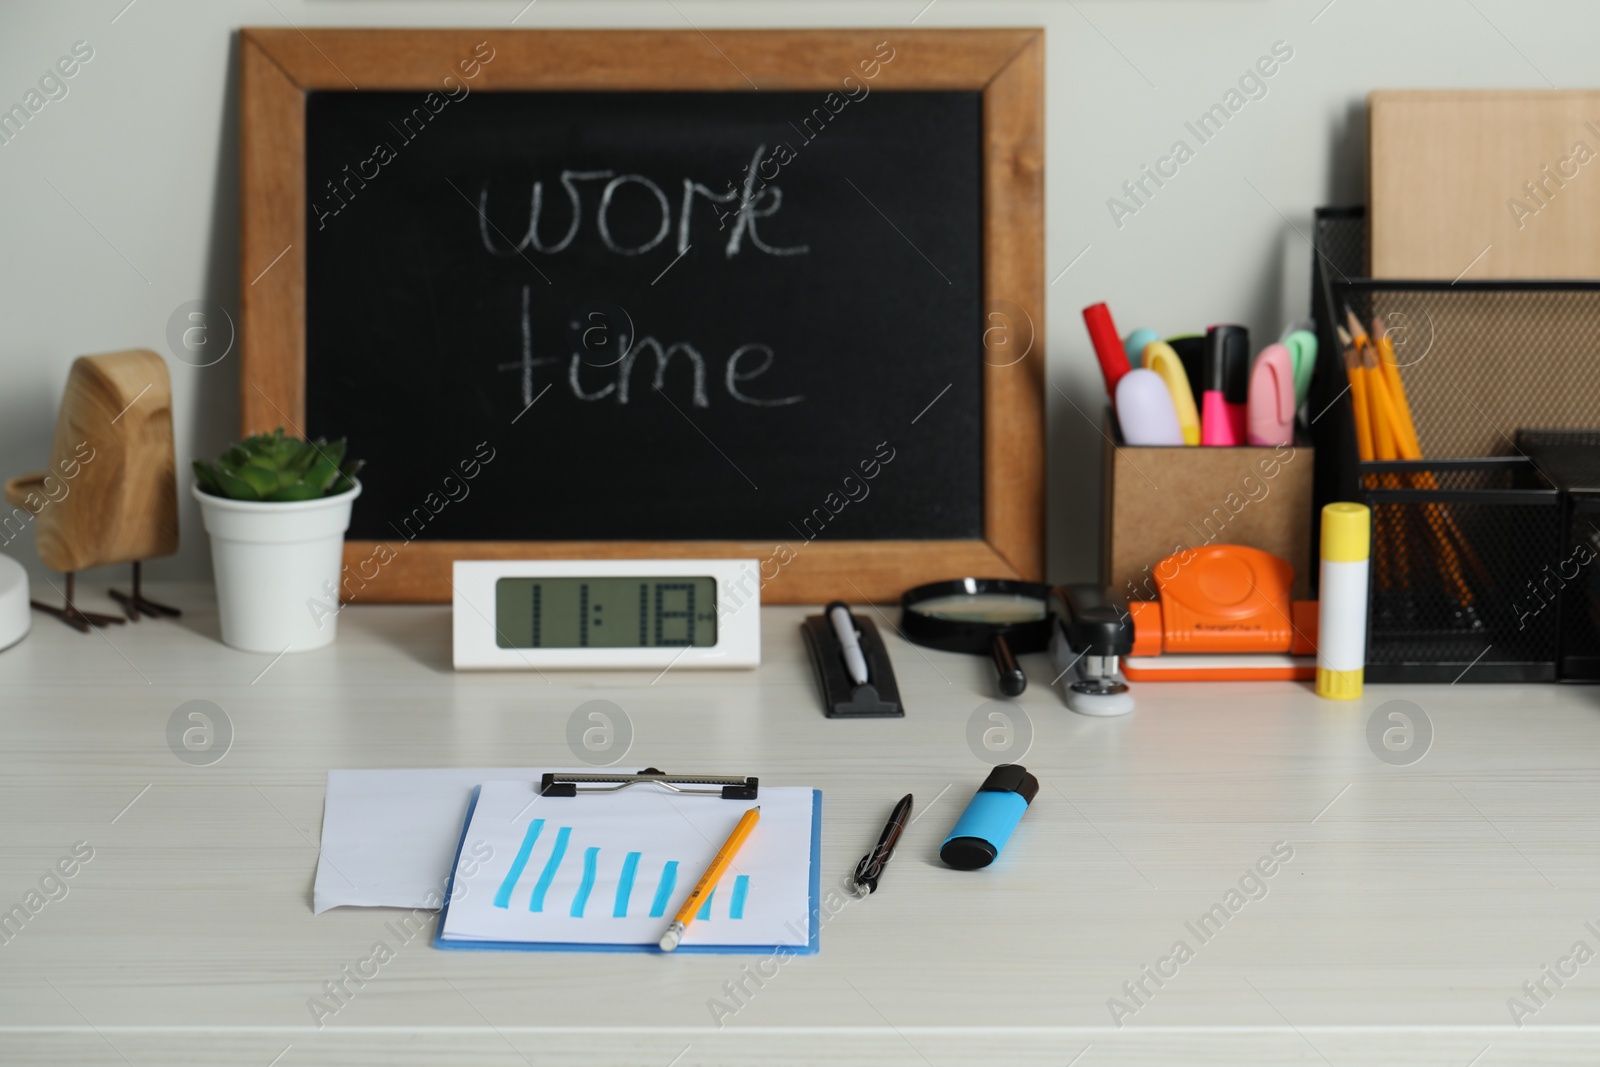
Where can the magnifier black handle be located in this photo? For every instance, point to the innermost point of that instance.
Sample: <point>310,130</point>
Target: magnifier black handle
<point>1012,680</point>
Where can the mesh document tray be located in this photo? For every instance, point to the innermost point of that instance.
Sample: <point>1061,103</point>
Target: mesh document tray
<point>1460,539</point>
<point>1571,460</point>
<point>1479,359</point>
<point>1456,550</point>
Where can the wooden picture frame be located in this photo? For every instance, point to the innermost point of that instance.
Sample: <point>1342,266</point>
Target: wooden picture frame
<point>278,67</point>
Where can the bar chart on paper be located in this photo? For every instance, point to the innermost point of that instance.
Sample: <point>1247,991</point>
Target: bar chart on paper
<point>612,869</point>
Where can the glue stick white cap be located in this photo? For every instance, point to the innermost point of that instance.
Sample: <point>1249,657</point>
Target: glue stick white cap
<point>1342,607</point>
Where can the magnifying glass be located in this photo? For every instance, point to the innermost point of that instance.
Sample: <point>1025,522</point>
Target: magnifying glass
<point>996,617</point>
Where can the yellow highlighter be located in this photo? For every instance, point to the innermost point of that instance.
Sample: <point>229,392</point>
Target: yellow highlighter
<point>709,880</point>
<point>1159,357</point>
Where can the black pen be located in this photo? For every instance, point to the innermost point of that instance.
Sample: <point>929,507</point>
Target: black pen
<point>870,869</point>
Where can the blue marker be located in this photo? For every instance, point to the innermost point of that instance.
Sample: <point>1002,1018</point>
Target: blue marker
<point>986,825</point>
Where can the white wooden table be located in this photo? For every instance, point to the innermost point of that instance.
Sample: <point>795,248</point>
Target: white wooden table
<point>1418,900</point>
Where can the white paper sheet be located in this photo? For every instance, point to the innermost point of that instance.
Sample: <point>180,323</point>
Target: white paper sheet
<point>549,869</point>
<point>389,836</point>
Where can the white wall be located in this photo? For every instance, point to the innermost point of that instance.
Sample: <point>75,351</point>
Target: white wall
<point>142,155</point>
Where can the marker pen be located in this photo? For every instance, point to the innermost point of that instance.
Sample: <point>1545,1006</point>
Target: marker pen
<point>1146,411</point>
<point>1107,346</point>
<point>1225,376</point>
<point>1272,397</point>
<point>1161,358</point>
<point>1133,344</point>
<point>991,815</point>
<point>1302,346</point>
<point>1342,603</point>
<point>1191,350</point>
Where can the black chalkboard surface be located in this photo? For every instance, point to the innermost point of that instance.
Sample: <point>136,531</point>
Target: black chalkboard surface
<point>662,324</point>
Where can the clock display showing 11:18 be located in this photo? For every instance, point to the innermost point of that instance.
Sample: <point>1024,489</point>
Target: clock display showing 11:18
<point>633,612</point>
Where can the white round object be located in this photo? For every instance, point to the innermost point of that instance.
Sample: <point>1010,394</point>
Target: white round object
<point>1099,704</point>
<point>277,567</point>
<point>15,615</point>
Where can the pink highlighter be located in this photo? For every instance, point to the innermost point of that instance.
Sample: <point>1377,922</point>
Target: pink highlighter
<point>1272,397</point>
<point>1225,379</point>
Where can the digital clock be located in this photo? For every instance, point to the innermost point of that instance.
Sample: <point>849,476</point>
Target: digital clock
<point>607,613</point>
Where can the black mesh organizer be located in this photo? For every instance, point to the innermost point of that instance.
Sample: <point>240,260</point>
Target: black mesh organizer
<point>1465,545</point>
<point>1571,583</point>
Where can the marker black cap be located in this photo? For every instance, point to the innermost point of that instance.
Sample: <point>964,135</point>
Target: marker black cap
<point>1226,368</point>
<point>989,818</point>
<point>1191,350</point>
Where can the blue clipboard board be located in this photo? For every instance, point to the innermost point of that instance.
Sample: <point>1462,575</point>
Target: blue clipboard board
<point>808,949</point>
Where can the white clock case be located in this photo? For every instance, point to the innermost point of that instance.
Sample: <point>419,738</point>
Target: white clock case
<point>738,615</point>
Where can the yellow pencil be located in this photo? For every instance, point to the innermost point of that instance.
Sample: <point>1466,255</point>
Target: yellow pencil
<point>1390,367</point>
<point>1393,435</point>
<point>1358,395</point>
<point>708,881</point>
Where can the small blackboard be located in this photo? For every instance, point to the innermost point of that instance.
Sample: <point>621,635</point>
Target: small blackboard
<point>709,314</point>
<point>587,294</point>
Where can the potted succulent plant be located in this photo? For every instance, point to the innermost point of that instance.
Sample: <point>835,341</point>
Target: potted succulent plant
<point>276,508</point>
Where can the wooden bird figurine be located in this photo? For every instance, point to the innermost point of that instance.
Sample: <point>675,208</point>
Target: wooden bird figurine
<point>111,493</point>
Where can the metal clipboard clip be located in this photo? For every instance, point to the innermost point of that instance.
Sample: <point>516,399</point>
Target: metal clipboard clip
<point>728,787</point>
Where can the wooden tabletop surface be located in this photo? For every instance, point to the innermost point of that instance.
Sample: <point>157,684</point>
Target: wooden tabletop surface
<point>1409,899</point>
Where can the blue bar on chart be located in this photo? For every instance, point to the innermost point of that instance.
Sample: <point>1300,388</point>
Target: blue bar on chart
<point>542,886</point>
<point>591,860</point>
<point>669,879</point>
<point>502,896</point>
<point>630,867</point>
<point>741,889</point>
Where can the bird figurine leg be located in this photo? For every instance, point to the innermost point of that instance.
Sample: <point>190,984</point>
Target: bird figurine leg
<point>72,615</point>
<point>138,602</point>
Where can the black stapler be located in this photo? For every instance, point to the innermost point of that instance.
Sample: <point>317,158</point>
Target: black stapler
<point>1089,634</point>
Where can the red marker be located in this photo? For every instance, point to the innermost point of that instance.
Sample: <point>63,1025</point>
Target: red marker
<point>1107,346</point>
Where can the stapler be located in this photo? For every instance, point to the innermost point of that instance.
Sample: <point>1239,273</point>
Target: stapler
<point>1089,635</point>
<point>1224,614</point>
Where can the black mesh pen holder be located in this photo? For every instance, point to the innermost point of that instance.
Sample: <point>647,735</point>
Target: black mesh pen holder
<point>1462,547</point>
<point>1455,544</point>
<point>1479,358</point>
<point>1571,460</point>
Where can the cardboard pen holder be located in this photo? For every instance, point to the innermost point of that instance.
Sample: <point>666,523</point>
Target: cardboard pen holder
<point>1158,501</point>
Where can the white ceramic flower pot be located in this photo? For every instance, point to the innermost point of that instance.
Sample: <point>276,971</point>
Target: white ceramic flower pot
<point>277,569</point>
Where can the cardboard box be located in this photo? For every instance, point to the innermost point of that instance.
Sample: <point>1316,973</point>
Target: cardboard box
<point>1484,183</point>
<point>1159,501</point>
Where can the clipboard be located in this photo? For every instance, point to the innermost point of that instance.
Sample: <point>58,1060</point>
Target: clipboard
<point>797,829</point>
<point>728,787</point>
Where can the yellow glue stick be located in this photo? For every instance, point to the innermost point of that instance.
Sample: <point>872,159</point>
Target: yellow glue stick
<point>1342,607</point>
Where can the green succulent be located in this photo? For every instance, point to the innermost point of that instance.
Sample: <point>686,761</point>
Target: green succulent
<point>270,466</point>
